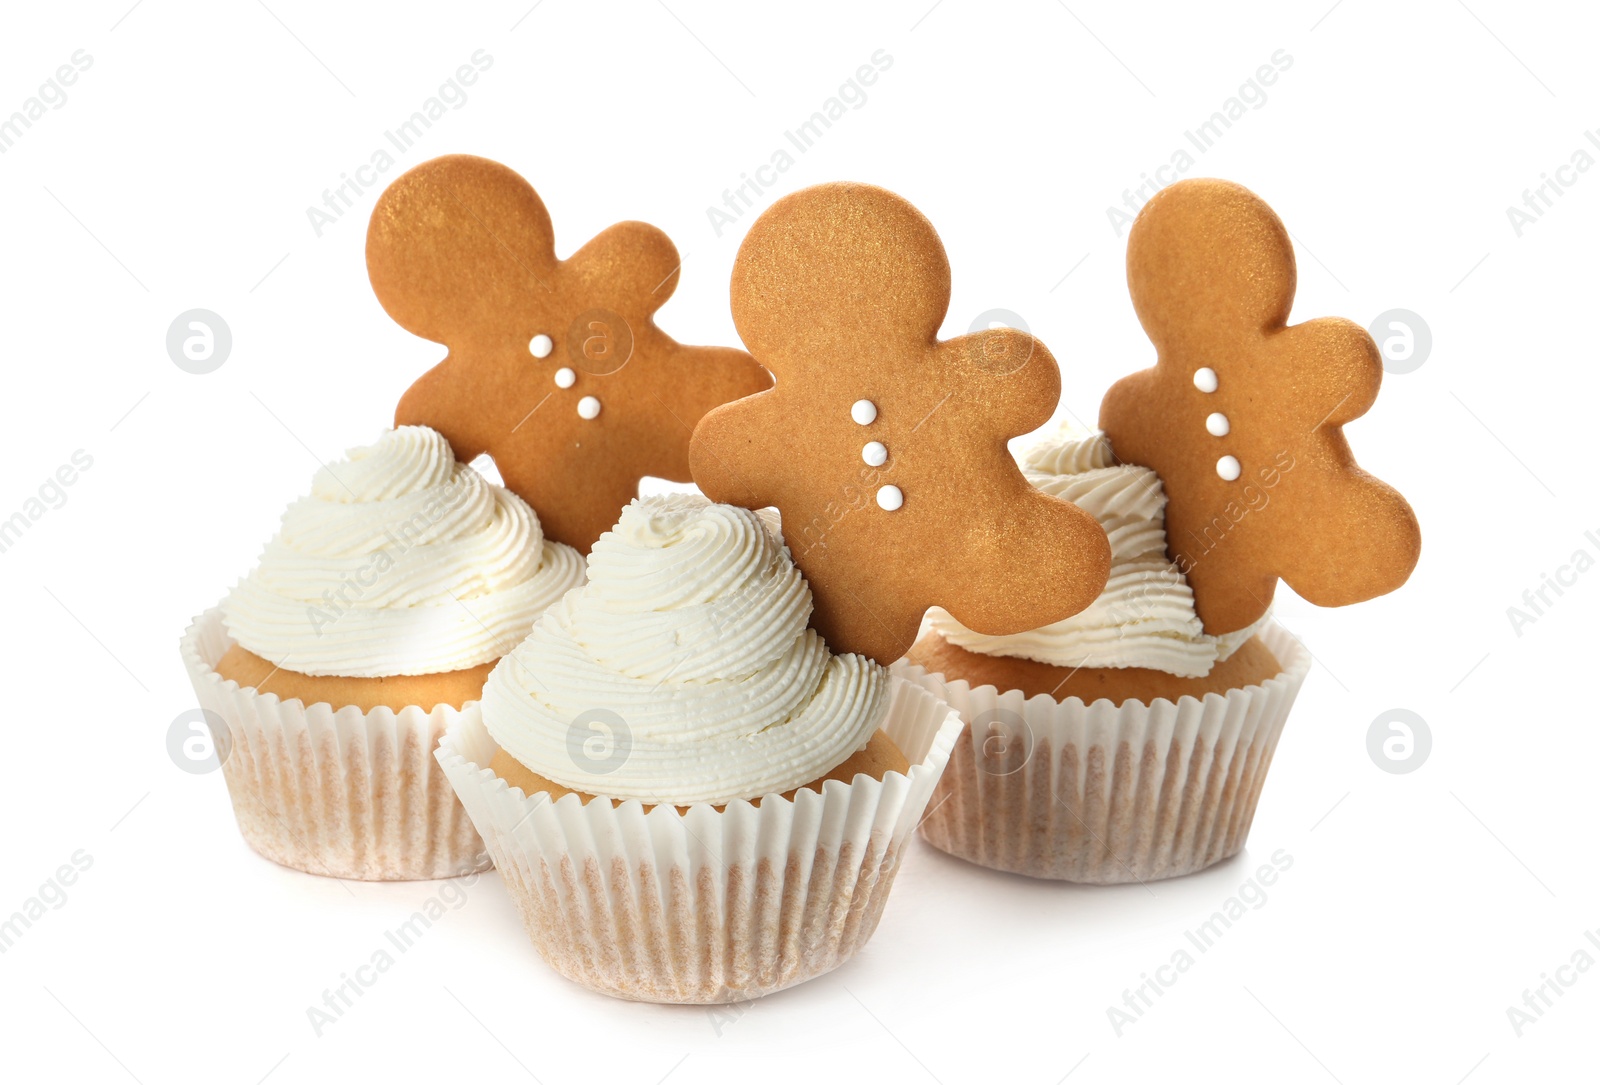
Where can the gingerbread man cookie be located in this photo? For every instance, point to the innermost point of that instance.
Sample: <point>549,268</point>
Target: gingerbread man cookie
<point>883,448</point>
<point>556,367</point>
<point>1242,414</point>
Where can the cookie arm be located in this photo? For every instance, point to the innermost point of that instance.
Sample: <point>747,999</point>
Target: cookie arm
<point>435,400</point>
<point>1018,376</point>
<point>703,379</point>
<point>1370,543</point>
<point>1047,561</point>
<point>727,450</point>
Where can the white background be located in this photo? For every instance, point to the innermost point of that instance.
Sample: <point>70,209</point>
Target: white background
<point>1419,907</point>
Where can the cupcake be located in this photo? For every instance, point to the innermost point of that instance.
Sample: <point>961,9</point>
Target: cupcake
<point>372,619</point>
<point>1131,740</point>
<point>1124,743</point>
<point>690,797</point>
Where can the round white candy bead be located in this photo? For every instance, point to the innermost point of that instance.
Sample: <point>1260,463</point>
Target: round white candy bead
<point>890,498</point>
<point>588,407</point>
<point>864,411</point>
<point>1228,468</point>
<point>1217,424</point>
<point>874,454</point>
<point>565,377</point>
<point>1205,379</point>
<point>540,346</point>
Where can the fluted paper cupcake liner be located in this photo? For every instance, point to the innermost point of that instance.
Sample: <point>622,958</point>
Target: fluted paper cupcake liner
<point>344,793</point>
<point>1103,793</point>
<point>708,905</point>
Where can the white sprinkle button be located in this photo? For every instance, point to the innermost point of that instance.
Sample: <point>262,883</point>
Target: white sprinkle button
<point>1205,379</point>
<point>864,411</point>
<point>589,407</point>
<point>890,498</point>
<point>1217,424</point>
<point>565,377</point>
<point>540,346</point>
<point>873,454</point>
<point>1228,468</point>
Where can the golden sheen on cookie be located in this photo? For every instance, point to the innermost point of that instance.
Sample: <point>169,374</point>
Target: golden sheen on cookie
<point>883,447</point>
<point>1242,415</point>
<point>556,367</point>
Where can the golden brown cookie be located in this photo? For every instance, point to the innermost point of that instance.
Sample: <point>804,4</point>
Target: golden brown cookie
<point>1251,665</point>
<point>1242,414</point>
<point>883,448</point>
<point>556,367</point>
<point>454,688</point>
<point>880,756</point>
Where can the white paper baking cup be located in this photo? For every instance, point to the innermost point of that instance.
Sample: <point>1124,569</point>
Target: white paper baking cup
<point>1103,793</point>
<point>708,905</point>
<point>344,793</point>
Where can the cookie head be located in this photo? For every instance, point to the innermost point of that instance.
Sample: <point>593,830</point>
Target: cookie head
<point>555,367</point>
<point>1226,258</point>
<point>1242,415</point>
<point>864,262</point>
<point>883,447</point>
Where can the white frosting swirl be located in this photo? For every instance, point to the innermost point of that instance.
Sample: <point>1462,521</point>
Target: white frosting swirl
<point>399,561</point>
<point>683,671</point>
<point>1145,616</point>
